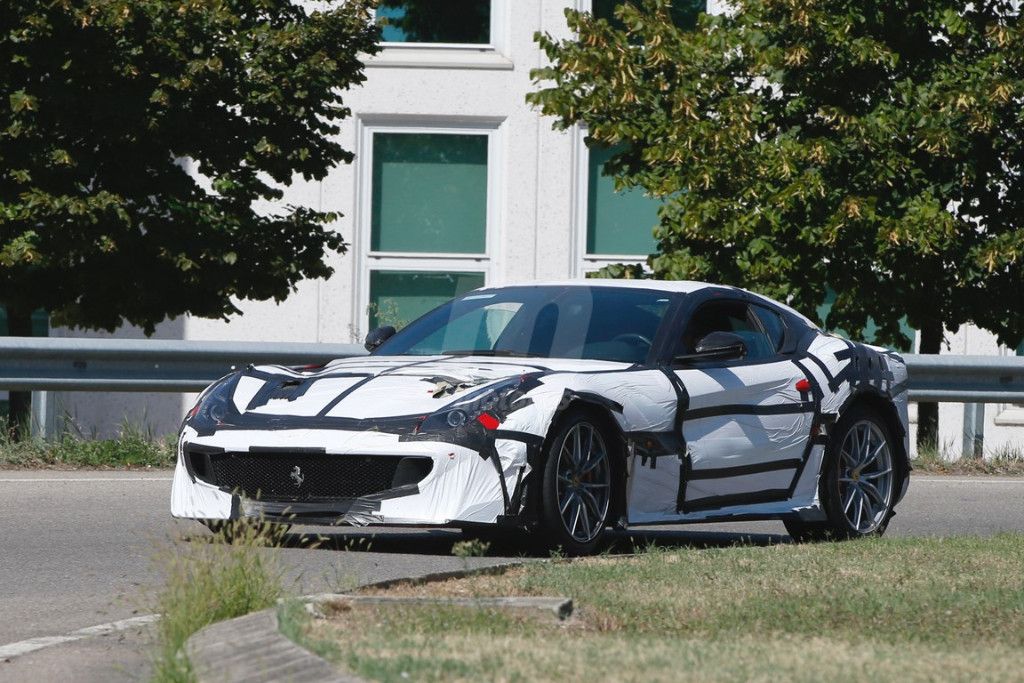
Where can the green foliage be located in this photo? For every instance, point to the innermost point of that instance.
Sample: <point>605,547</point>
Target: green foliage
<point>621,271</point>
<point>872,145</point>
<point>133,448</point>
<point>474,547</point>
<point>107,106</point>
<point>227,578</point>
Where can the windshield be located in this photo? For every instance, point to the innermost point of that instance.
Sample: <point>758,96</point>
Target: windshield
<point>601,323</point>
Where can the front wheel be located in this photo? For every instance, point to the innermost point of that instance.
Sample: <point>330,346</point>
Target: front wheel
<point>858,480</point>
<point>577,484</point>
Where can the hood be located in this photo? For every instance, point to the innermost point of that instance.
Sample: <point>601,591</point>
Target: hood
<point>377,387</point>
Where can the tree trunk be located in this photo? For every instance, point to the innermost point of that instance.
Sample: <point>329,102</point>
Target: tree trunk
<point>928,413</point>
<point>19,324</point>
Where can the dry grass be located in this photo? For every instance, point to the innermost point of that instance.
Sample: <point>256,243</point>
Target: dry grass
<point>1006,462</point>
<point>914,609</point>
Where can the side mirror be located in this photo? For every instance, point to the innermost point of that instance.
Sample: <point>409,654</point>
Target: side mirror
<point>378,336</point>
<point>716,346</point>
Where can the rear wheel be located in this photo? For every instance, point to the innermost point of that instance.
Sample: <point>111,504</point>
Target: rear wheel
<point>577,484</point>
<point>858,480</point>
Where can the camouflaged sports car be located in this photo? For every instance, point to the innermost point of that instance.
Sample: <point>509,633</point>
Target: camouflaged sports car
<point>563,409</point>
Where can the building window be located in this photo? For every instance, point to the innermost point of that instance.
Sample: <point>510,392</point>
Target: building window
<point>611,226</point>
<point>397,297</point>
<point>429,193</point>
<point>618,223</point>
<point>40,323</point>
<point>684,12</point>
<point>464,22</point>
<point>615,227</point>
<point>427,219</point>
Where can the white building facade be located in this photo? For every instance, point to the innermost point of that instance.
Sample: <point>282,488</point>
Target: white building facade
<point>457,182</point>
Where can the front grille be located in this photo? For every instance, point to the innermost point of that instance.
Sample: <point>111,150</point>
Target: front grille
<point>296,476</point>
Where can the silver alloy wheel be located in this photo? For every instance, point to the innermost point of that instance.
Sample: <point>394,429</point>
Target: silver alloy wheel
<point>865,477</point>
<point>584,480</point>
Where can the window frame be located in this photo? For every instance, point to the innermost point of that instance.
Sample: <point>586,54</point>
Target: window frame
<point>754,307</point>
<point>490,55</point>
<point>367,261</point>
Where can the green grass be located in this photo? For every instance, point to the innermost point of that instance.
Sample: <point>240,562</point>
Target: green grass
<point>134,447</point>
<point>880,609</point>
<point>207,583</point>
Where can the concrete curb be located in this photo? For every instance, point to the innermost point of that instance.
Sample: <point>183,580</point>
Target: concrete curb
<point>252,647</point>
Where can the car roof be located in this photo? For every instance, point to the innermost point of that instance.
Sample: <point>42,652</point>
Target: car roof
<point>683,286</point>
<point>674,286</point>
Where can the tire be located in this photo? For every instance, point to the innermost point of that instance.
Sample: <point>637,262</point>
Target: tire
<point>577,484</point>
<point>859,480</point>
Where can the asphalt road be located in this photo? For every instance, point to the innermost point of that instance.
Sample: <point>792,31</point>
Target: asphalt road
<point>80,549</point>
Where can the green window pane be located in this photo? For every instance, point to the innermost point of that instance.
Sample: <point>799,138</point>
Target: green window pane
<point>397,297</point>
<point>684,12</point>
<point>40,323</point>
<point>435,21</point>
<point>429,193</point>
<point>617,222</point>
<point>870,328</point>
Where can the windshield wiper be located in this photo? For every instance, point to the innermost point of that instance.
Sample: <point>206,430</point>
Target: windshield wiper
<point>485,352</point>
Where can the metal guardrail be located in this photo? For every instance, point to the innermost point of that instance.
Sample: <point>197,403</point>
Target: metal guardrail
<point>966,379</point>
<point>87,364</point>
<point>91,364</point>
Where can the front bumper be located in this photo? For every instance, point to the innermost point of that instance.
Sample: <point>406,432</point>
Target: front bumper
<point>461,486</point>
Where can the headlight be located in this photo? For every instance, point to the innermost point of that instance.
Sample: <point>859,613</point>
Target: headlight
<point>488,407</point>
<point>214,407</point>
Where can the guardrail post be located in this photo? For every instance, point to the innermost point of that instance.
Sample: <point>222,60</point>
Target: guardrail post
<point>974,430</point>
<point>44,418</point>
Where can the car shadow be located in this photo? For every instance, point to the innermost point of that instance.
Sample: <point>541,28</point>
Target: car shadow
<point>501,545</point>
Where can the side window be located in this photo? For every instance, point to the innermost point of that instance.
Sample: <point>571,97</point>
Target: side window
<point>772,324</point>
<point>728,316</point>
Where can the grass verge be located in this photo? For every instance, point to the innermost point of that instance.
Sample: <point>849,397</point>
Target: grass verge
<point>880,609</point>
<point>211,582</point>
<point>132,448</point>
<point>1007,462</point>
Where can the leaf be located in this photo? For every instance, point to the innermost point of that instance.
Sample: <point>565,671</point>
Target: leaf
<point>21,101</point>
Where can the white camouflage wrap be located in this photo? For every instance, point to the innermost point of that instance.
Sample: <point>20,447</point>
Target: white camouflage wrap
<point>698,444</point>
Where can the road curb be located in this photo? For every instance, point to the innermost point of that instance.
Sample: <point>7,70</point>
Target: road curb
<point>252,647</point>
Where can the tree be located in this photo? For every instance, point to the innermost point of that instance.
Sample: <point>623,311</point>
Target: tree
<point>875,146</point>
<point>107,104</point>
